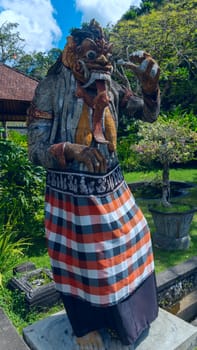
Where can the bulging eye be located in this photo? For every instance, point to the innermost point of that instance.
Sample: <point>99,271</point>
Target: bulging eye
<point>91,54</point>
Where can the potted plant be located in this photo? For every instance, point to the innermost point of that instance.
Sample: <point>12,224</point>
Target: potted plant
<point>167,142</point>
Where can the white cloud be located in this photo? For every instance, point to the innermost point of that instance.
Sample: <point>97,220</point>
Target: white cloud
<point>104,11</point>
<point>36,22</point>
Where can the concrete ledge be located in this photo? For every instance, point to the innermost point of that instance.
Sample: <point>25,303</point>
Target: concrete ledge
<point>9,338</point>
<point>167,278</point>
<point>166,332</point>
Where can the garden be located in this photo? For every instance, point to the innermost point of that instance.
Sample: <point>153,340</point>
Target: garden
<point>158,160</point>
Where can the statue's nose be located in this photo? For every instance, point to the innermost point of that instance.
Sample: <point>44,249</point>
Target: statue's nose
<point>102,60</point>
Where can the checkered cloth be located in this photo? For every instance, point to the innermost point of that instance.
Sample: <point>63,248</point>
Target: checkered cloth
<point>98,239</point>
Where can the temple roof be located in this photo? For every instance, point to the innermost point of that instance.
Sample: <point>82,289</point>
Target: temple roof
<point>16,93</point>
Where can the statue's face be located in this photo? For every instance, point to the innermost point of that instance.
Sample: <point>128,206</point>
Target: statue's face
<point>91,60</point>
<point>95,56</point>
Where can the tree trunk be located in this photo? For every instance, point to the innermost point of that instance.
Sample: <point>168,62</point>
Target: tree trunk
<point>166,184</point>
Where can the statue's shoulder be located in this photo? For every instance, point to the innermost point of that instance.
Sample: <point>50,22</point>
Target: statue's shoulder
<point>50,81</point>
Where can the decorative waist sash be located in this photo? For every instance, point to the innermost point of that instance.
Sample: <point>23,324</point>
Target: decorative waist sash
<point>84,183</point>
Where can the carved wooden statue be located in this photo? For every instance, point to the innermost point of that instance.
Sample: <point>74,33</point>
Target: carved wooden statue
<point>98,239</point>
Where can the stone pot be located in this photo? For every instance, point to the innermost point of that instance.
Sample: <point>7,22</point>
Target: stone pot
<point>172,228</point>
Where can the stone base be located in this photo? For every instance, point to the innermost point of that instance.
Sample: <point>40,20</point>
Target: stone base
<point>172,229</point>
<point>188,307</point>
<point>169,243</point>
<point>166,332</point>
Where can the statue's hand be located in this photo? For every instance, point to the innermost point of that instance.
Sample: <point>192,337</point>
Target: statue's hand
<point>91,157</point>
<point>146,69</point>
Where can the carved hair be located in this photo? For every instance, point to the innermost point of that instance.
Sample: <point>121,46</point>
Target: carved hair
<point>93,30</point>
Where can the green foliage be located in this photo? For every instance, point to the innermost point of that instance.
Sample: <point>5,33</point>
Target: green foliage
<point>130,14</point>
<point>129,138</point>
<point>146,7</point>
<point>37,64</point>
<point>16,308</point>
<point>166,141</point>
<point>183,117</point>
<point>34,64</point>
<point>17,138</point>
<point>21,190</point>
<point>169,34</point>
<point>126,155</point>
<point>10,248</point>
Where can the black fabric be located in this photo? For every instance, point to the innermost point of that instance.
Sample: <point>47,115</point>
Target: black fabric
<point>128,319</point>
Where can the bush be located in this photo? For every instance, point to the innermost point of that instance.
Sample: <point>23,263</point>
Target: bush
<point>21,190</point>
<point>183,117</point>
<point>10,249</point>
<point>17,138</point>
<point>126,154</point>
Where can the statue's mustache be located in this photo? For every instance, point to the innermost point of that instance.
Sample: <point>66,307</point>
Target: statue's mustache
<point>97,76</point>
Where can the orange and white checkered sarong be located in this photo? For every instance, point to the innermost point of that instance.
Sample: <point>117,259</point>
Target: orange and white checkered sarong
<point>98,239</point>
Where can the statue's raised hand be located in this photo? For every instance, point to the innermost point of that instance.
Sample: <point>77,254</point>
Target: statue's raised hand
<point>146,69</point>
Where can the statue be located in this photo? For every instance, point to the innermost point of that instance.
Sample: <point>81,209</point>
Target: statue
<point>98,239</point>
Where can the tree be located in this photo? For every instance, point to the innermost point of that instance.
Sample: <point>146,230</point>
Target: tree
<point>35,64</point>
<point>147,5</point>
<point>11,44</point>
<point>38,63</point>
<point>131,13</point>
<point>166,141</point>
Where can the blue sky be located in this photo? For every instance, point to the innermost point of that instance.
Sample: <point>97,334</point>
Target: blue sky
<point>67,17</point>
<point>45,24</point>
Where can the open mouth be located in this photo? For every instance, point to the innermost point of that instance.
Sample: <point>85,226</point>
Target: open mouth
<point>91,69</point>
<point>98,76</point>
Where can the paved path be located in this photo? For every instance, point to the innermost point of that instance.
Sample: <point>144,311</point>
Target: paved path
<point>9,338</point>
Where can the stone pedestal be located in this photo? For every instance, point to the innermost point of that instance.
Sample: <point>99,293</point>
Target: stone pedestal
<point>172,229</point>
<point>166,332</point>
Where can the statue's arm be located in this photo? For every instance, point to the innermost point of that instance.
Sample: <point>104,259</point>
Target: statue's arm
<point>39,147</point>
<point>40,124</point>
<point>146,107</point>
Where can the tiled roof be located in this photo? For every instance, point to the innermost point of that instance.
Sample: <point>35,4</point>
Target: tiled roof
<point>15,85</point>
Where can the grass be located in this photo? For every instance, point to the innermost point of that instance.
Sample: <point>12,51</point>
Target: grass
<point>189,175</point>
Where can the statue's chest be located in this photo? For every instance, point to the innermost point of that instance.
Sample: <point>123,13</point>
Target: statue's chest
<point>96,125</point>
